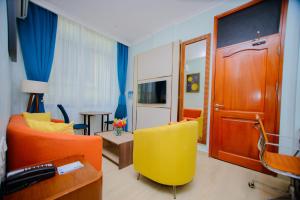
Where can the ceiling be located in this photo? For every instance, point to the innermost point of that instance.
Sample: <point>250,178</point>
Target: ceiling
<point>128,21</point>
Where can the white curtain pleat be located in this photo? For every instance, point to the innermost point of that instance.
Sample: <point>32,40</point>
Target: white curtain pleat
<point>84,72</point>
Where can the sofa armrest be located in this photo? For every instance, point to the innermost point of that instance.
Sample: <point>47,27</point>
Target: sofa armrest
<point>35,147</point>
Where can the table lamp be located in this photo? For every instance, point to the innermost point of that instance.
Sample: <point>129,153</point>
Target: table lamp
<point>34,88</point>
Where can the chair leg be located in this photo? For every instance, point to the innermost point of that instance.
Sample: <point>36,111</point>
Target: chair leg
<point>138,176</point>
<point>174,191</point>
<point>289,195</point>
<point>251,184</point>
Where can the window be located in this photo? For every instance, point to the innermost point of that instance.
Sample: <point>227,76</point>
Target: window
<point>84,71</point>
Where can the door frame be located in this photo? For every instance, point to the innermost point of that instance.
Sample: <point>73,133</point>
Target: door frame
<point>282,28</point>
<point>183,45</point>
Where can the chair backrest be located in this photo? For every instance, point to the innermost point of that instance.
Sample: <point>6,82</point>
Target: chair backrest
<point>63,111</point>
<point>191,113</point>
<point>166,154</point>
<point>262,146</point>
<point>263,138</point>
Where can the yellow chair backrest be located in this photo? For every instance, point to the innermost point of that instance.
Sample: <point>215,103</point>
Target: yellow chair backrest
<point>167,154</point>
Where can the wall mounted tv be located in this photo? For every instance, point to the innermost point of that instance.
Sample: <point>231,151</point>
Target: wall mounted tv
<point>152,92</point>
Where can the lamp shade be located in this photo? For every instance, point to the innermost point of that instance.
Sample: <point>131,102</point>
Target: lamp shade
<point>37,87</point>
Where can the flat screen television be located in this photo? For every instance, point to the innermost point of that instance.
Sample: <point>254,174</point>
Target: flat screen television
<point>152,92</point>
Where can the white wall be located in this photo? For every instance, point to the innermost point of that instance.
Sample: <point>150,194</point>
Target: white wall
<point>290,106</point>
<point>19,99</point>
<point>296,137</point>
<point>5,84</point>
<point>203,24</point>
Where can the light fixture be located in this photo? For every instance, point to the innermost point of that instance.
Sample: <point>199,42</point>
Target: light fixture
<point>34,88</point>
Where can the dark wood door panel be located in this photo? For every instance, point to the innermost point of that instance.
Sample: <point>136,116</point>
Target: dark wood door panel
<point>242,161</point>
<point>241,137</point>
<point>244,80</point>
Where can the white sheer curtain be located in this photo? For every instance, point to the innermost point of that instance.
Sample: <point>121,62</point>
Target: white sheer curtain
<point>84,72</point>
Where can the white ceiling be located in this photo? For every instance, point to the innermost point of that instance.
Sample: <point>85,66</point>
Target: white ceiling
<point>128,21</point>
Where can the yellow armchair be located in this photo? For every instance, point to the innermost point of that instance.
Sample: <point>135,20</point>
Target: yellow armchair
<point>167,154</point>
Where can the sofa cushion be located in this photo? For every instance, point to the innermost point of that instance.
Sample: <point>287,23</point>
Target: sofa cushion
<point>38,116</point>
<point>50,126</point>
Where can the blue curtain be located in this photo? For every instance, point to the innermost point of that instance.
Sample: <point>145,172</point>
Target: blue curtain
<point>122,55</point>
<point>37,33</point>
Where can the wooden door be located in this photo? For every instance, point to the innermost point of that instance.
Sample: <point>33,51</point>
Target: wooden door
<point>245,84</point>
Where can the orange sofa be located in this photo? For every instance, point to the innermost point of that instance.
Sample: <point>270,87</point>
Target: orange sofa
<point>27,146</point>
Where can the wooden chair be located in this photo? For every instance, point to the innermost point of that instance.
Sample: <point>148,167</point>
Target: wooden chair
<point>279,163</point>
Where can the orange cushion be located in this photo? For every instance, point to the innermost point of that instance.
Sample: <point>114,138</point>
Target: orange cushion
<point>191,113</point>
<point>284,163</point>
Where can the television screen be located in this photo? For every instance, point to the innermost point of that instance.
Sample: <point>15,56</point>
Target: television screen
<point>152,92</point>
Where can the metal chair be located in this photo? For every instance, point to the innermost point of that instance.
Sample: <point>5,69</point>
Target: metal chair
<point>279,163</point>
<point>67,119</point>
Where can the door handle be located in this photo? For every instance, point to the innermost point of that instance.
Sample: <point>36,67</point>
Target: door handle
<point>218,106</point>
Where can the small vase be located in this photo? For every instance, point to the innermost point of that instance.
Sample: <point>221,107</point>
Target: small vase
<point>118,131</point>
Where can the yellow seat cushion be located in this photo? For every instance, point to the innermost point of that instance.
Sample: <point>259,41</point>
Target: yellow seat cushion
<point>50,126</point>
<point>38,116</point>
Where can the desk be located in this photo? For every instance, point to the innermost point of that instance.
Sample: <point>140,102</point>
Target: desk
<point>84,183</point>
<point>87,116</point>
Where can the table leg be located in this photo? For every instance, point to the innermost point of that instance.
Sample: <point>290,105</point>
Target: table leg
<point>84,120</point>
<point>102,123</point>
<point>125,154</point>
<point>89,125</point>
<point>107,118</point>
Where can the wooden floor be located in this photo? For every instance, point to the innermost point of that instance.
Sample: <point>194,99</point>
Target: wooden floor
<point>214,180</point>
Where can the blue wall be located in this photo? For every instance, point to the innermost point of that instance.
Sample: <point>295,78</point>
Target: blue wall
<point>5,82</point>
<point>203,24</point>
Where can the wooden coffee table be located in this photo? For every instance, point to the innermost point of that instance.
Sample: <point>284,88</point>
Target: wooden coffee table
<point>117,149</point>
